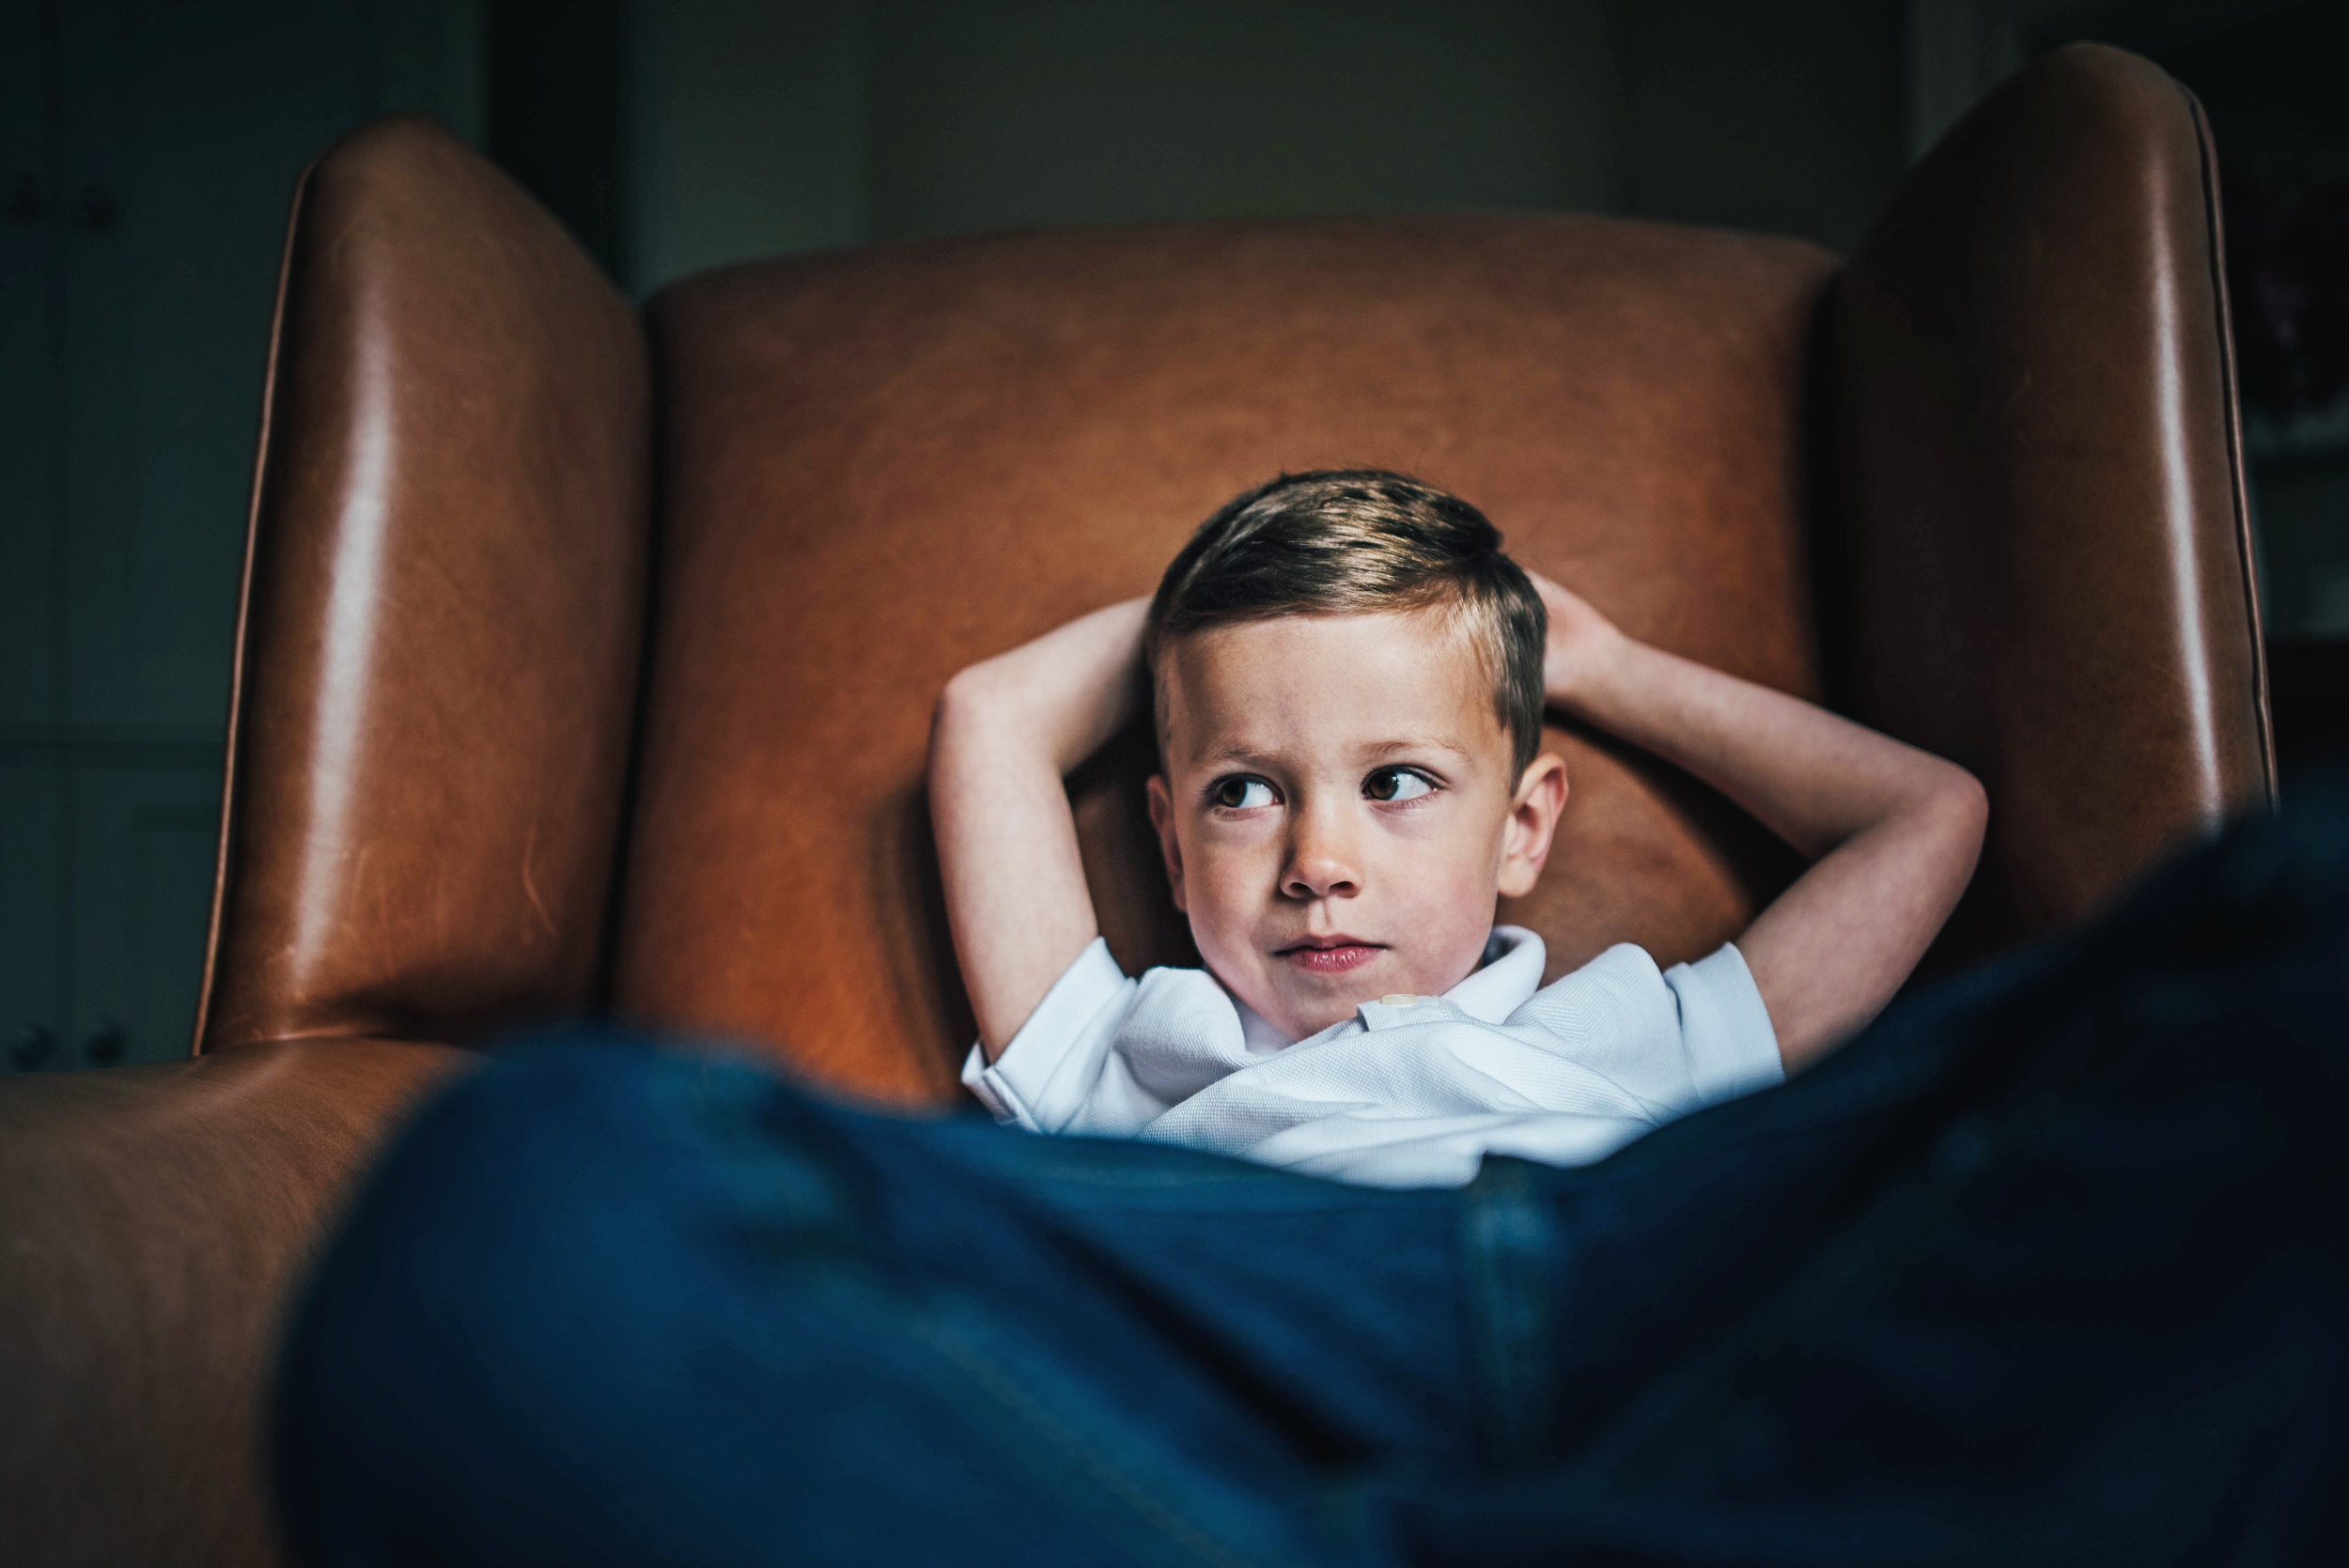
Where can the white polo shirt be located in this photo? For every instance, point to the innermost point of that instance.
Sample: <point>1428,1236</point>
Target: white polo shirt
<point>1409,1092</point>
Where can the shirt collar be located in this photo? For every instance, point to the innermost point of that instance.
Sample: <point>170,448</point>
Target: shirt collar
<point>1504,981</point>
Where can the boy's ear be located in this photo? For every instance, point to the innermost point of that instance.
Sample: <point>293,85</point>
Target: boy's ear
<point>1534,814</point>
<point>1162,818</point>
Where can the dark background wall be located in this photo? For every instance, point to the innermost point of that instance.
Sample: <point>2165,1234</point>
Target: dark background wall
<point>2273,84</point>
<point>765,127</point>
<point>148,149</point>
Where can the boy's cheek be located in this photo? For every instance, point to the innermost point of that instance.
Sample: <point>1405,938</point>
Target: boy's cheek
<point>1233,861</point>
<point>1226,898</point>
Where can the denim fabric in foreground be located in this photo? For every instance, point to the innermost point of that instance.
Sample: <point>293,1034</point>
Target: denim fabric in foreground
<point>2047,1267</point>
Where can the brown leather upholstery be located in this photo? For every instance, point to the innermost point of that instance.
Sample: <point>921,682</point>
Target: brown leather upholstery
<point>2045,554</point>
<point>153,1223</point>
<point>438,648</point>
<point>878,467</point>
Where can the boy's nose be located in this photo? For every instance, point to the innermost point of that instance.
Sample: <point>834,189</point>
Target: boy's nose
<point>1320,865</point>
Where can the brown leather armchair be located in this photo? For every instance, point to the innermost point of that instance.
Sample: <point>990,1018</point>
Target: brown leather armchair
<point>585,657</point>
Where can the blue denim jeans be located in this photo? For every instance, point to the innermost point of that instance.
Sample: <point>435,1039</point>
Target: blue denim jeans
<point>2050,1265</point>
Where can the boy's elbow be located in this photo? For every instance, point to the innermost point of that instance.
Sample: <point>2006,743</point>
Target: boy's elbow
<point>1969,798</point>
<point>957,722</point>
<point>982,709</point>
<point>971,695</point>
<point>1962,807</point>
<point>952,698</point>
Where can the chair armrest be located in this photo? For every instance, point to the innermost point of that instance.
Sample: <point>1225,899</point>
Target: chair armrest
<point>154,1223</point>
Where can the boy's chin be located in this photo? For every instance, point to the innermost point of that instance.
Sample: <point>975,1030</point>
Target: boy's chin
<point>1307,1004</point>
<point>1304,1003</point>
<point>1301,998</point>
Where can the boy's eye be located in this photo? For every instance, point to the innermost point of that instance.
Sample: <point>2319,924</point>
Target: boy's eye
<point>1239,794</point>
<point>1396,784</point>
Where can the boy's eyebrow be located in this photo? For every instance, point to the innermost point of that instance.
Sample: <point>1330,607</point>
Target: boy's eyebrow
<point>1371,750</point>
<point>1415,744</point>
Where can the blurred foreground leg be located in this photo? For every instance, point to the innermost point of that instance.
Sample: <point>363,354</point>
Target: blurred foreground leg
<point>608,1303</point>
<point>2047,1267</point>
<point>2087,1301</point>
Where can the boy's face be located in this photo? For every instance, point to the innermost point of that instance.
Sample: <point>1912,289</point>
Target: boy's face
<point>1339,811</point>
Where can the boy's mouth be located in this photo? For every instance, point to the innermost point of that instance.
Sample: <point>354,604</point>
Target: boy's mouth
<point>1331,954</point>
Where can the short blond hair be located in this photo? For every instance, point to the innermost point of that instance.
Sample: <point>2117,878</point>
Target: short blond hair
<point>1359,541</point>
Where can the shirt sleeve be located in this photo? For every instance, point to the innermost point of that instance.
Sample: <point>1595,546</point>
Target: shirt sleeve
<point>1724,1028</point>
<point>1046,1074</point>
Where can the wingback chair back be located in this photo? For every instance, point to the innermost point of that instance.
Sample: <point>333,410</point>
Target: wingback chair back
<point>437,648</point>
<point>519,732</point>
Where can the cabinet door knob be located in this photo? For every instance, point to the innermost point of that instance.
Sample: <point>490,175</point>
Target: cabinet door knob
<point>24,200</point>
<point>30,1046</point>
<point>104,1042</point>
<point>94,210</point>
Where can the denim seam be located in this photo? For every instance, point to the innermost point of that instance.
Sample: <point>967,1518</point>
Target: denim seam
<point>1510,1253</point>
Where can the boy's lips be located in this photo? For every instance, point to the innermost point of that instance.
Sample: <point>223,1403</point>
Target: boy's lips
<point>1331,954</point>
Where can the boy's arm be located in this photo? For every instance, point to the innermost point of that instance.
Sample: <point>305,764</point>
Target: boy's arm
<point>1004,734</point>
<point>1893,832</point>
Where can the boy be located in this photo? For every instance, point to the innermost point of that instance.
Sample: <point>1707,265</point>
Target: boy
<point>1348,678</point>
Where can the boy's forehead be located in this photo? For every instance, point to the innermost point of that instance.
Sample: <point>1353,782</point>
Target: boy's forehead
<point>1363,679</point>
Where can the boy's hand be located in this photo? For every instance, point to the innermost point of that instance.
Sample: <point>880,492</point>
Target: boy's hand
<point>1583,644</point>
<point>1892,831</point>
